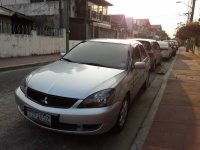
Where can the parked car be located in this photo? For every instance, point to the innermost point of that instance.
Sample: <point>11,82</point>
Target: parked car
<point>173,45</point>
<point>153,49</point>
<point>166,50</point>
<point>87,91</point>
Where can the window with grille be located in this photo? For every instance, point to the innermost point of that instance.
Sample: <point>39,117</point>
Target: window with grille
<point>36,1</point>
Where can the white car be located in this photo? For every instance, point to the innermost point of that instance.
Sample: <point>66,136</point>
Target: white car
<point>87,91</point>
<point>166,50</point>
<point>153,49</point>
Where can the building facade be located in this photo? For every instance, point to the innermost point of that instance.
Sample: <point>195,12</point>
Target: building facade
<point>88,18</point>
<point>120,26</point>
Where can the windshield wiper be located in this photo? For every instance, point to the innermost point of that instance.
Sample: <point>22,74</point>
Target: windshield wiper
<point>67,59</point>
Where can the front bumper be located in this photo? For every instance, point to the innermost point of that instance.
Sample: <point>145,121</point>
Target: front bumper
<point>72,120</point>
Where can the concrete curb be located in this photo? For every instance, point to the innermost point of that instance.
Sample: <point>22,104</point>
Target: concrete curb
<point>20,66</point>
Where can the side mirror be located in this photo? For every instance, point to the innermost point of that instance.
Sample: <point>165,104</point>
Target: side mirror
<point>140,65</point>
<point>62,54</point>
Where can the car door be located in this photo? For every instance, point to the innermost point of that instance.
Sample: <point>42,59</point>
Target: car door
<point>136,72</point>
<point>146,59</point>
<point>157,52</point>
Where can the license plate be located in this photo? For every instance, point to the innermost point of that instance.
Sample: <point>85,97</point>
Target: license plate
<point>38,116</point>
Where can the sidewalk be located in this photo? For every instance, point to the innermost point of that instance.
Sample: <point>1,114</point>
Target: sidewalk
<point>176,125</point>
<point>21,62</point>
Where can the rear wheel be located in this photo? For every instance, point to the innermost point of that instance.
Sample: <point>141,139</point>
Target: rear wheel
<point>122,114</point>
<point>160,61</point>
<point>174,53</point>
<point>153,67</point>
<point>146,83</point>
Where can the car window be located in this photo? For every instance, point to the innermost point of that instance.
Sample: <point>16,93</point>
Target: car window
<point>143,52</point>
<point>130,56</point>
<point>155,46</point>
<point>137,57</point>
<point>147,45</point>
<point>100,53</point>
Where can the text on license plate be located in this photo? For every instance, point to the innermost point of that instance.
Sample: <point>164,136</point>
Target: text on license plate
<point>39,116</point>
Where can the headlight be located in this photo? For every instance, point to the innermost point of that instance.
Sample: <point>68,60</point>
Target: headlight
<point>100,99</point>
<point>23,85</point>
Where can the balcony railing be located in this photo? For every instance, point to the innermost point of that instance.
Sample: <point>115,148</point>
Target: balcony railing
<point>99,17</point>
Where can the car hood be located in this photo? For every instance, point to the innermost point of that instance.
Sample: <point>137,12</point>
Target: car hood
<point>73,80</point>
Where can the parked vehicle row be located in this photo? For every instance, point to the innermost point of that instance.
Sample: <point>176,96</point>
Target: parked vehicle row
<point>166,50</point>
<point>153,49</point>
<point>90,88</point>
<point>159,50</point>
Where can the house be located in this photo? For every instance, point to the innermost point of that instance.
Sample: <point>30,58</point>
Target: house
<point>119,24</point>
<point>143,26</point>
<point>10,21</point>
<point>132,27</point>
<point>88,18</point>
<point>43,12</point>
<point>18,36</point>
<point>143,22</point>
<point>156,27</point>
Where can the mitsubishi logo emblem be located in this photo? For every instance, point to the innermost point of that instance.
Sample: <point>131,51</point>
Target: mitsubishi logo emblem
<point>45,101</point>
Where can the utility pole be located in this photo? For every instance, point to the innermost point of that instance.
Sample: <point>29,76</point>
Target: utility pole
<point>193,8</point>
<point>86,19</point>
<point>66,15</point>
<point>61,25</point>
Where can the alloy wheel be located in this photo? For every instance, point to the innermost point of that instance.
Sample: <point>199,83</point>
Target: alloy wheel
<point>123,113</point>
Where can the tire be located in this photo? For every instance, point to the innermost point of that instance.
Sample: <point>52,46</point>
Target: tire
<point>174,54</point>
<point>122,117</point>
<point>160,61</point>
<point>153,67</point>
<point>146,83</point>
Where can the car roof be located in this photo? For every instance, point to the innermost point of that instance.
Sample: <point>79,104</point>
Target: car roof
<point>162,41</point>
<point>116,41</point>
<point>147,40</point>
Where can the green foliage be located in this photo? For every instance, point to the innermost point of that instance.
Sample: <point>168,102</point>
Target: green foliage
<point>162,34</point>
<point>188,31</point>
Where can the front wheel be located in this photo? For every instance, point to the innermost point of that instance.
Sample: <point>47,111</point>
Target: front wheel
<point>122,117</point>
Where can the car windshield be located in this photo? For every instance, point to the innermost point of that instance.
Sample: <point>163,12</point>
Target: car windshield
<point>103,54</point>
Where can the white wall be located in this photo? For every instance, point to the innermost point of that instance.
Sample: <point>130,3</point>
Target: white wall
<point>25,45</point>
<point>73,43</point>
<point>13,45</point>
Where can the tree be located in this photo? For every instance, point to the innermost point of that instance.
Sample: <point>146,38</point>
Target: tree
<point>162,34</point>
<point>188,31</point>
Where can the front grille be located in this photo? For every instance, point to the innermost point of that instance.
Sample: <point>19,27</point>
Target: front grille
<point>75,127</point>
<point>50,100</point>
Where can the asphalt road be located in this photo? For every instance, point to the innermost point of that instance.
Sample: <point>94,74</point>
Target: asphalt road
<point>16,133</point>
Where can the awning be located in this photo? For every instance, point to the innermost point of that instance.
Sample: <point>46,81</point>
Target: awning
<point>101,2</point>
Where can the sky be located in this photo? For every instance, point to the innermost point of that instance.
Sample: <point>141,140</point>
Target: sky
<point>168,13</point>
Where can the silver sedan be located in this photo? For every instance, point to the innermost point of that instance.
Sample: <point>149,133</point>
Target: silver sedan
<point>87,91</point>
